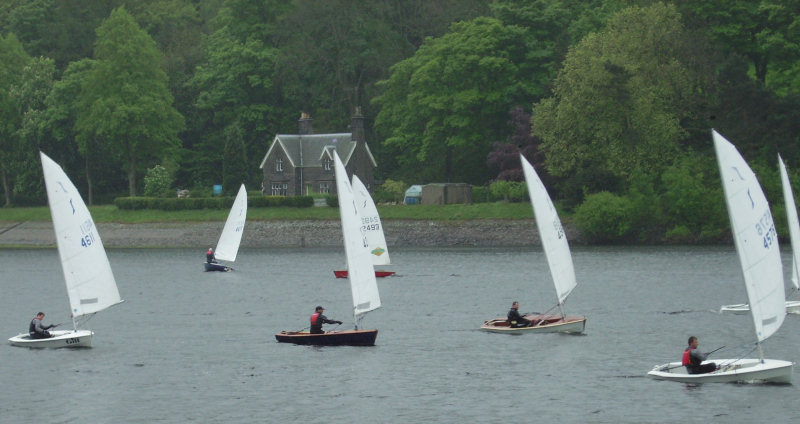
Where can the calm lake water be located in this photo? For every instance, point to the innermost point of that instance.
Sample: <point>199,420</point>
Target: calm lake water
<point>189,346</point>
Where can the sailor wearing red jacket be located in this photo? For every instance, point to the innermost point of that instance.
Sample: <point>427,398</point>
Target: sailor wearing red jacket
<point>693,358</point>
<point>317,319</point>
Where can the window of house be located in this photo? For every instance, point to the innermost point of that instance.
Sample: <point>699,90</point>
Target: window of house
<point>326,164</point>
<point>280,189</point>
<point>279,165</point>
<point>324,188</point>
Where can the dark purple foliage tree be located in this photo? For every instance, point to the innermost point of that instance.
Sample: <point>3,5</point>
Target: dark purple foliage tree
<point>503,160</point>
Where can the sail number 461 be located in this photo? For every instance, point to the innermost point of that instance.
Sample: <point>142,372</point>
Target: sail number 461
<point>87,240</point>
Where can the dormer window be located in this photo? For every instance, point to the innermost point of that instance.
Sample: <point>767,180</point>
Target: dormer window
<point>278,165</point>
<point>326,164</point>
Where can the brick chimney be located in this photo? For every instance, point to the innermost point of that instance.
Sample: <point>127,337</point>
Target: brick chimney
<point>357,126</point>
<point>304,124</point>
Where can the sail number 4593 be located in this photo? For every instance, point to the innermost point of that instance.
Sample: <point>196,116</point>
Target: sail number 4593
<point>766,229</point>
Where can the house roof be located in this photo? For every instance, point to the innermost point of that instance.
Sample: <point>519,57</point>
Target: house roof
<point>309,150</point>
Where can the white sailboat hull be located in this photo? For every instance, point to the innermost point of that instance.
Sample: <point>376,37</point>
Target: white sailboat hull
<point>740,371</point>
<point>792,307</point>
<point>547,324</point>
<point>62,338</point>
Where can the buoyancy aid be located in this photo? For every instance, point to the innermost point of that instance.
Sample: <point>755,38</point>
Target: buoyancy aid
<point>314,318</point>
<point>687,357</point>
<point>32,327</point>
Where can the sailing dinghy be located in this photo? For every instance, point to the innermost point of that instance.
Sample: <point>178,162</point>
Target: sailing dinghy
<point>372,228</point>
<point>559,259</point>
<point>363,286</point>
<point>231,237</point>
<point>759,256</point>
<point>792,306</point>
<point>90,282</point>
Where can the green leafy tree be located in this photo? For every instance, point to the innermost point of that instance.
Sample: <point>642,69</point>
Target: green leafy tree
<point>29,94</point>
<point>442,108</point>
<point>621,100</point>
<point>605,217</point>
<point>340,58</point>
<point>234,83</point>
<point>157,182</point>
<point>692,195</point>
<point>508,190</point>
<point>127,104</point>
<point>62,106</point>
<point>13,60</point>
<point>395,190</point>
<point>84,157</point>
<point>63,31</point>
<point>766,32</point>
<point>551,27</point>
<point>234,163</point>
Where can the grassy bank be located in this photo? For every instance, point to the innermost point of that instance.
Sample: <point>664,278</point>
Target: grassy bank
<point>109,213</point>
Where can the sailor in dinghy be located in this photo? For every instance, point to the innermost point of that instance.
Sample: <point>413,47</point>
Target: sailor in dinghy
<point>759,255</point>
<point>37,330</point>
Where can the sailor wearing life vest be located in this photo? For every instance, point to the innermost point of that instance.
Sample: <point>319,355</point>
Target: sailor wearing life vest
<point>210,256</point>
<point>515,320</point>
<point>37,330</point>
<point>317,319</point>
<point>693,358</point>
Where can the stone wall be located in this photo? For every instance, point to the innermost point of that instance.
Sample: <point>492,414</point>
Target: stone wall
<point>322,233</point>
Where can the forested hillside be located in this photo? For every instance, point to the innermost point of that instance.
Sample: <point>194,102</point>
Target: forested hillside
<point>612,100</point>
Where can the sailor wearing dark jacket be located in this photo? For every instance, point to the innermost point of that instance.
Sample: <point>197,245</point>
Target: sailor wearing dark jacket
<point>693,358</point>
<point>317,319</point>
<point>37,330</point>
<point>515,320</point>
<point>210,256</point>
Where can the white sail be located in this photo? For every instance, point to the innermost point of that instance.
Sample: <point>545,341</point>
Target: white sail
<point>90,283</point>
<point>554,240</point>
<point>755,238</point>
<point>371,224</point>
<point>359,265</point>
<point>794,223</point>
<point>231,237</point>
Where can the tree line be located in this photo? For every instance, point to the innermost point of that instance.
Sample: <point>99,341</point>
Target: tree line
<point>605,97</point>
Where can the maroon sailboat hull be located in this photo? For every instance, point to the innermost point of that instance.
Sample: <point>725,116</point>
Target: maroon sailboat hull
<point>379,274</point>
<point>333,338</point>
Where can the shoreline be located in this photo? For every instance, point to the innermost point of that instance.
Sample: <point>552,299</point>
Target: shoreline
<point>297,233</point>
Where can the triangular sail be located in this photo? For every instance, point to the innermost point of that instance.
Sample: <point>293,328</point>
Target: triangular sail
<point>231,237</point>
<point>359,265</point>
<point>794,223</point>
<point>554,240</point>
<point>90,282</point>
<point>755,238</point>
<point>371,224</point>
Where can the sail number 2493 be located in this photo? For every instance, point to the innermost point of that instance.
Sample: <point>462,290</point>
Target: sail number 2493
<point>766,229</point>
